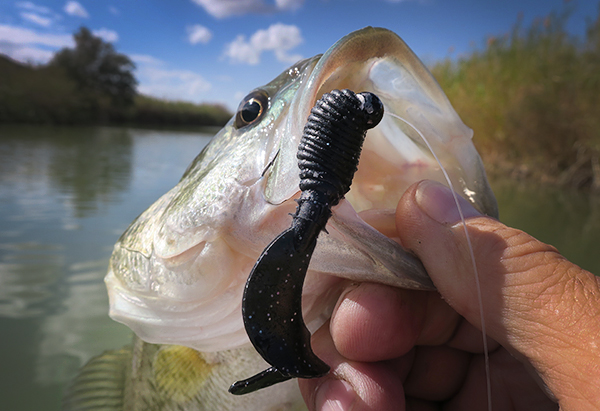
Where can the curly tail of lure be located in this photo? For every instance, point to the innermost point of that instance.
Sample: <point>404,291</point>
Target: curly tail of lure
<point>328,157</point>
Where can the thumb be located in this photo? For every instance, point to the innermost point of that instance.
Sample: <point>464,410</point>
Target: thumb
<point>536,303</point>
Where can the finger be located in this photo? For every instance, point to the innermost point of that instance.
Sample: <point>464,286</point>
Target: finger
<point>535,302</point>
<point>353,385</point>
<point>373,322</point>
<point>511,385</point>
<point>437,373</point>
<point>416,404</point>
<point>468,338</point>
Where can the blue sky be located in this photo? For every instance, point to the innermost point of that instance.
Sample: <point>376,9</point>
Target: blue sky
<point>218,50</point>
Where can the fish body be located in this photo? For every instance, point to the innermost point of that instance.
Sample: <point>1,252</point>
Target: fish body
<point>163,377</point>
<point>177,274</point>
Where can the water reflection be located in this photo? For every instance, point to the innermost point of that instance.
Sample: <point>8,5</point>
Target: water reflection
<point>80,330</point>
<point>49,178</point>
<point>94,170</point>
<point>66,194</point>
<point>29,276</point>
<point>90,165</point>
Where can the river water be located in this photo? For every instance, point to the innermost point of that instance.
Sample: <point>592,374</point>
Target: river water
<point>66,195</point>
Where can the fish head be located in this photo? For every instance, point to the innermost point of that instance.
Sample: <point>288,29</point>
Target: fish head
<point>177,274</point>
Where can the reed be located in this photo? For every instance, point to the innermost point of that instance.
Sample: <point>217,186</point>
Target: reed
<point>532,99</point>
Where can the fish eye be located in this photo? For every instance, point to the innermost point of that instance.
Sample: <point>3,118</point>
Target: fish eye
<point>252,108</point>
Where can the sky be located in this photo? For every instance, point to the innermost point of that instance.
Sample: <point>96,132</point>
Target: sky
<point>216,51</point>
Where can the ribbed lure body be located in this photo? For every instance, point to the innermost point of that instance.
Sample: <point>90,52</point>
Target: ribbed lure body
<point>328,157</point>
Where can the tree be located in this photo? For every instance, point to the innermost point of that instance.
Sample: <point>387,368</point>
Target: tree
<point>97,68</point>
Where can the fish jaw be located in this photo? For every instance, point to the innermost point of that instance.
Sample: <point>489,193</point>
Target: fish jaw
<point>177,274</point>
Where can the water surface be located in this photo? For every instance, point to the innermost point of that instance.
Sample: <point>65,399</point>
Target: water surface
<point>66,194</point>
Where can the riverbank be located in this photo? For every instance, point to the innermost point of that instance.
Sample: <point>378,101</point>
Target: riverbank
<point>46,95</point>
<point>532,98</point>
<point>583,175</point>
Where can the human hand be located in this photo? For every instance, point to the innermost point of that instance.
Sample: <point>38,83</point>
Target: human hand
<point>393,349</point>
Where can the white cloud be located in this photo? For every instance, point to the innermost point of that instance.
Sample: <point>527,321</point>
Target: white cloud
<point>225,78</point>
<point>73,8</point>
<point>226,8</point>
<point>114,10</point>
<point>278,38</point>
<point>145,59</point>
<point>20,35</point>
<point>240,51</point>
<point>172,84</point>
<point>198,34</point>
<point>239,95</point>
<point>25,54</point>
<point>289,4</point>
<point>26,45</point>
<point>406,1</point>
<point>157,81</point>
<point>40,15</point>
<point>27,5</point>
<point>37,19</point>
<point>107,35</point>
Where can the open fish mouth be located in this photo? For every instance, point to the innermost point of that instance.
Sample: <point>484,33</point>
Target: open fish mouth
<point>177,274</point>
<point>397,153</point>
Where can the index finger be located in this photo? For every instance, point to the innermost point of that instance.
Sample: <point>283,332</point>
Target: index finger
<point>374,322</point>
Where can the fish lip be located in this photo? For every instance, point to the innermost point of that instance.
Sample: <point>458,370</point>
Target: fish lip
<point>357,47</point>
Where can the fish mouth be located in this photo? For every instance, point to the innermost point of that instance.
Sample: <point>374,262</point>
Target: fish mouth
<point>419,137</point>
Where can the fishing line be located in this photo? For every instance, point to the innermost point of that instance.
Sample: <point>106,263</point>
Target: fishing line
<point>472,255</point>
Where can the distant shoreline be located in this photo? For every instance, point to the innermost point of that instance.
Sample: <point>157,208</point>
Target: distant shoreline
<point>45,95</point>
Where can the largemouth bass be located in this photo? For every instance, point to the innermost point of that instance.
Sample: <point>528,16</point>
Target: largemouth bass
<point>176,276</point>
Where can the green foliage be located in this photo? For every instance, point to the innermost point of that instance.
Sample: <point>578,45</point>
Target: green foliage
<point>532,98</point>
<point>160,112</point>
<point>37,95</point>
<point>97,69</point>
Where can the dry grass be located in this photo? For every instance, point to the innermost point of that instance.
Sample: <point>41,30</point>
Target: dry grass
<point>532,98</point>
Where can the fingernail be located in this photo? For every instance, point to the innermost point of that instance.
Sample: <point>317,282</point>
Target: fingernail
<point>334,395</point>
<point>437,201</point>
